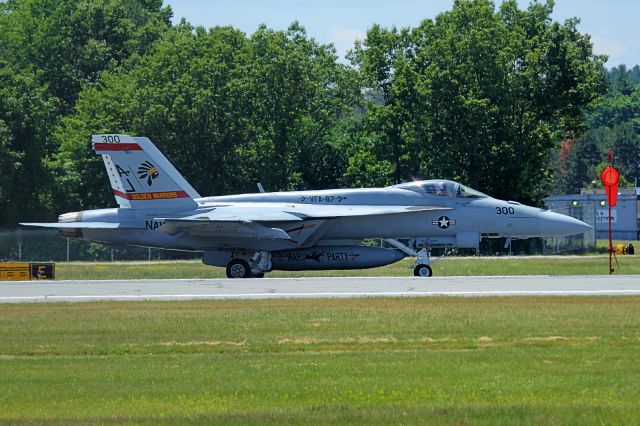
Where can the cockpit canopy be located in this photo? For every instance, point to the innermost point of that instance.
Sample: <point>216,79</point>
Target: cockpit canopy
<point>441,188</point>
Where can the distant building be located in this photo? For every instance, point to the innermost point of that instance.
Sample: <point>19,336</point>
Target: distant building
<point>592,203</point>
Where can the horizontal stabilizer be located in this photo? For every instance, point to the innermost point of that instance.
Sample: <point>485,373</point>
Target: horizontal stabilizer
<point>78,225</point>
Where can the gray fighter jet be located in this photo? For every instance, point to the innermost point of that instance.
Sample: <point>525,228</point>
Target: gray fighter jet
<point>251,234</point>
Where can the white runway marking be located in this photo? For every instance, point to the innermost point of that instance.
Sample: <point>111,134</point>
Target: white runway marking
<point>273,288</point>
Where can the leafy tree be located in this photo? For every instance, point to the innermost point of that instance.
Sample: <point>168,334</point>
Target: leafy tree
<point>625,145</point>
<point>392,102</point>
<point>50,50</point>
<point>479,95</point>
<point>622,80</point>
<point>614,123</point>
<point>227,109</point>
<point>26,114</point>
<point>584,163</point>
<point>294,94</point>
<point>617,108</point>
<point>70,42</point>
<point>579,168</point>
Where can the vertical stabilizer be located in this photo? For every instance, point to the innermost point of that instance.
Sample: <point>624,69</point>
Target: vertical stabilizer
<point>141,177</point>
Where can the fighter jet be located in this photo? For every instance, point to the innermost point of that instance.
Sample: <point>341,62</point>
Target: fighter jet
<point>251,234</point>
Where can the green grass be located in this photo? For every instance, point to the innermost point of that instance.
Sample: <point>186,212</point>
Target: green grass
<point>579,265</point>
<point>413,361</point>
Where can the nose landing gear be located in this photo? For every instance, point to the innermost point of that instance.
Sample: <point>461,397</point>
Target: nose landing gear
<point>422,265</point>
<point>422,270</point>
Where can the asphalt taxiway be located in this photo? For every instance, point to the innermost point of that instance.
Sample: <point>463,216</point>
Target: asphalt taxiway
<point>342,287</point>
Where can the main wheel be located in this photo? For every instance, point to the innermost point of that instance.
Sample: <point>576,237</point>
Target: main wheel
<point>422,271</point>
<point>238,268</point>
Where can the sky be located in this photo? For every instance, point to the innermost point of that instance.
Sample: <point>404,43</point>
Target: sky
<point>613,24</point>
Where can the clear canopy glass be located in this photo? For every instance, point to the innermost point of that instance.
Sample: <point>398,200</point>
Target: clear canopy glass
<point>441,188</point>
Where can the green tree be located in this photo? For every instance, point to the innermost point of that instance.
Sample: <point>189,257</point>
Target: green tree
<point>392,102</point>
<point>617,108</point>
<point>621,80</point>
<point>584,163</point>
<point>50,50</point>
<point>614,122</point>
<point>70,42</point>
<point>625,145</point>
<point>580,166</point>
<point>227,109</point>
<point>479,95</point>
<point>26,114</point>
<point>295,92</point>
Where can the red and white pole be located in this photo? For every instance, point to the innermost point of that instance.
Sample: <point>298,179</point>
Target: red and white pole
<point>610,240</point>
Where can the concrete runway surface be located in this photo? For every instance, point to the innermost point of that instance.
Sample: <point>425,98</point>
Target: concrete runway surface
<point>343,287</point>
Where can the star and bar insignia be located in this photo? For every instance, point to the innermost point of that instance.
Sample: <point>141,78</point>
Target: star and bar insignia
<point>443,222</point>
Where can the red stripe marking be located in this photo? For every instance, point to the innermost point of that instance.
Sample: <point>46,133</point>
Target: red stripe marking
<point>145,196</point>
<point>116,147</point>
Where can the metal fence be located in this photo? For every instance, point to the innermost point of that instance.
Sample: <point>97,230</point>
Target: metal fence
<point>48,245</point>
<point>574,243</point>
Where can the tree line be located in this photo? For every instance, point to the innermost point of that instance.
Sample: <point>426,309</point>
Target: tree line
<point>483,93</point>
<point>613,123</point>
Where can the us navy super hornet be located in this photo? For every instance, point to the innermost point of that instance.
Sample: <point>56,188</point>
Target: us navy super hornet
<point>251,234</point>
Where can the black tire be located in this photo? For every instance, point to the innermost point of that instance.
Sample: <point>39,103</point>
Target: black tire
<point>238,268</point>
<point>422,271</point>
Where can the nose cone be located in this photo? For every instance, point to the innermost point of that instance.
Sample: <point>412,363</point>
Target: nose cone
<point>556,225</point>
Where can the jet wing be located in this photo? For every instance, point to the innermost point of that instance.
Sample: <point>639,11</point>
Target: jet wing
<point>322,211</point>
<point>280,212</point>
<point>246,220</point>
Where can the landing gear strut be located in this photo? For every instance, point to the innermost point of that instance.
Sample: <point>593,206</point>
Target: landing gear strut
<point>243,266</point>
<point>422,265</point>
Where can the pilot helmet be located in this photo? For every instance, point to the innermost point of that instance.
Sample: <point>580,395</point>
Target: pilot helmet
<point>441,188</point>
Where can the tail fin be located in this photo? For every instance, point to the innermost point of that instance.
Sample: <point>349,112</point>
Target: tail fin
<point>141,177</point>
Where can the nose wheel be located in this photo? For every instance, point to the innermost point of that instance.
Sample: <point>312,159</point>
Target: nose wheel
<point>422,271</point>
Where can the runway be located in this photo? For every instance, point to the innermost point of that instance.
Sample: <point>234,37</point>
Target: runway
<point>343,287</point>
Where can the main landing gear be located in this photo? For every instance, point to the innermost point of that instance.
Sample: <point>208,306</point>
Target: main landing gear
<point>422,265</point>
<point>238,268</point>
<point>249,267</point>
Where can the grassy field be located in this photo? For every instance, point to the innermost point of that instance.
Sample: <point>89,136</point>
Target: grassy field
<point>430,360</point>
<point>579,265</point>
